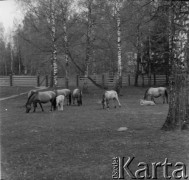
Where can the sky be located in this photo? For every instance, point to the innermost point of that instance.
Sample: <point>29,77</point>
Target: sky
<point>9,12</point>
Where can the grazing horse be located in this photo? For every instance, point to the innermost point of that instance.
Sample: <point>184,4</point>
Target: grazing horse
<point>41,97</point>
<point>67,93</point>
<point>60,102</point>
<point>110,95</point>
<point>77,94</point>
<point>156,92</point>
<point>30,92</point>
<point>147,103</point>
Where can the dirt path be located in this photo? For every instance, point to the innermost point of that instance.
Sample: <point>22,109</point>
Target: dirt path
<point>16,95</point>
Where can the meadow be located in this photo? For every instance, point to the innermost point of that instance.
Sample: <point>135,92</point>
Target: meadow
<point>80,142</point>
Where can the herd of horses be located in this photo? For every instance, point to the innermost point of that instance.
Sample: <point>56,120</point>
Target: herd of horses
<point>57,98</point>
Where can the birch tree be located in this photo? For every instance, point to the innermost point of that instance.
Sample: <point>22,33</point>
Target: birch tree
<point>54,47</point>
<point>119,57</point>
<point>64,8</point>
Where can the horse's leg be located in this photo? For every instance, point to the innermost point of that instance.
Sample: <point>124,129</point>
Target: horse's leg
<point>152,99</point>
<point>34,106</point>
<point>67,100</point>
<point>73,100</point>
<point>41,106</point>
<point>116,98</point>
<point>70,99</point>
<point>107,103</point>
<point>78,101</point>
<point>81,100</point>
<point>163,96</point>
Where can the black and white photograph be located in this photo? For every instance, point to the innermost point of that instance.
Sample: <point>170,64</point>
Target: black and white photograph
<point>94,89</point>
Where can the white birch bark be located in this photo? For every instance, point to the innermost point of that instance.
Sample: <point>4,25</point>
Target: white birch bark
<point>66,50</point>
<point>118,18</point>
<point>54,48</point>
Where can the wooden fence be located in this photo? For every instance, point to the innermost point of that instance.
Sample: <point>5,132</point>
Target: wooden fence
<point>108,81</point>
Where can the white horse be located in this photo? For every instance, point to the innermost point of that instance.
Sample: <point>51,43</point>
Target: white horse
<point>110,95</point>
<point>156,92</point>
<point>67,93</point>
<point>77,94</point>
<point>60,102</point>
<point>147,103</point>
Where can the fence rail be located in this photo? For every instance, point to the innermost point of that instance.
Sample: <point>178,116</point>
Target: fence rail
<point>104,80</point>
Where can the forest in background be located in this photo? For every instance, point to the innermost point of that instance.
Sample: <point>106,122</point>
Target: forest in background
<point>63,38</point>
<point>144,38</point>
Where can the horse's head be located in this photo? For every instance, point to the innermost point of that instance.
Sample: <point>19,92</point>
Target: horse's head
<point>146,94</point>
<point>28,107</point>
<point>30,100</point>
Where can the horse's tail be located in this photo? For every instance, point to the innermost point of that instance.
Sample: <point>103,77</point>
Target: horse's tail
<point>81,97</point>
<point>166,94</point>
<point>103,100</point>
<point>54,99</point>
<point>146,92</point>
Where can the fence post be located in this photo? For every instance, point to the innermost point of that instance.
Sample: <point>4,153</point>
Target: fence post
<point>66,82</point>
<point>103,80</point>
<point>38,80</point>
<point>11,80</point>
<point>167,79</point>
<point>77,80</point>
<point>129,79</point>
<point>143,80</point>
<point>47,80</point>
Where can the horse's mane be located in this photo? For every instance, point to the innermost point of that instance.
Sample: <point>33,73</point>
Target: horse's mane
<point>31,95</point>
<point>146,92</point>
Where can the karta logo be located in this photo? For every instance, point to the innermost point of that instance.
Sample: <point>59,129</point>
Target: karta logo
<point>121,168</point>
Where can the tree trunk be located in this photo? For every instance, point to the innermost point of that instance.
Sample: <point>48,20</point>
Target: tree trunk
<point>118,84</point>
<point>19,61</point>
<point>178,114</point>
<point>138,55</point>
<point>54,48</point>
<point>149,64</point>
<point>6,71</point>
<point>12,60</point>
<point>89,38</point>
<point>119,63</point>
<point>66,51</point>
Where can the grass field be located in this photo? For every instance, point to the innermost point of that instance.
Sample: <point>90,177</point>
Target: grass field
<point>80,142</point>
<point>6,91</point>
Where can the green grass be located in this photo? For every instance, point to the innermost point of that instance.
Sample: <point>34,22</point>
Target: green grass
<point>80,142</point>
